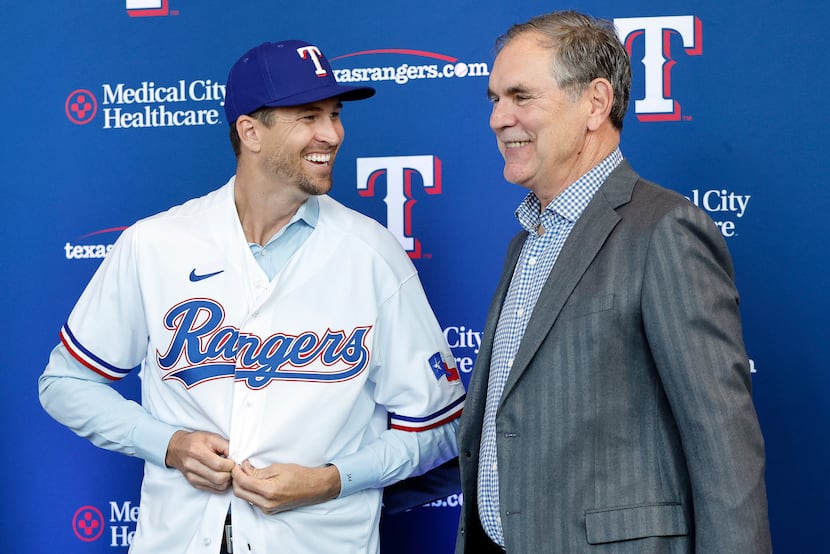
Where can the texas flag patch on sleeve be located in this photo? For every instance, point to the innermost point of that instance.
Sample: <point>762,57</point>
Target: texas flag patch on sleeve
<point>442,369</point>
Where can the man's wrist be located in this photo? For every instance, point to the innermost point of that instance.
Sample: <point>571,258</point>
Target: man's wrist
<point>331,480</point>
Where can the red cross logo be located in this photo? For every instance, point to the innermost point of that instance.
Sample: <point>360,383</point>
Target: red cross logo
<point>88,523</point>
<point>81,107</point>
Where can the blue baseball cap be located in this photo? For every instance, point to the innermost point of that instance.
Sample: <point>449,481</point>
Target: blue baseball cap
<point>287,73</point>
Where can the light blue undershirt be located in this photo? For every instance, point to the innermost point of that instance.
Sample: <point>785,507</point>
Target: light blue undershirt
<point>278,250</point>
<point>129,429</point>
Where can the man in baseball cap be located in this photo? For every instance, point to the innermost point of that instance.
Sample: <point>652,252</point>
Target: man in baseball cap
<point>296,366</point>
<point>287,73</point>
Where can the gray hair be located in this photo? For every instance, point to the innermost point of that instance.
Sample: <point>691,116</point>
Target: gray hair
<point>584,49</point>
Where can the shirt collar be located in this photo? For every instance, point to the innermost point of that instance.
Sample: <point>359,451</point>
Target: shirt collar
<point>572,201</point>
<point>308,213</point>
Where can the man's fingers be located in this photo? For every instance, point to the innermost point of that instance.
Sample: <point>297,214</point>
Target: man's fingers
<point>202,458</point>
<point>205,478</point>
<point>218,444</point>
<point>220,464</point>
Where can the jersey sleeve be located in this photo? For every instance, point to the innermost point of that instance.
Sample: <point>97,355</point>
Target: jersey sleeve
<point>87,404</point>
<point>396,455</point>
<point>417,383</point>
<point>106,331</point>
<point>415,375</point>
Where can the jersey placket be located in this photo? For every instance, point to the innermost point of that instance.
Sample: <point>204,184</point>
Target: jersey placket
<point>247,405</point>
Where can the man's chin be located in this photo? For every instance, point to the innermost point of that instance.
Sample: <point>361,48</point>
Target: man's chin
<point>316,188</point>
<point>512,177</point>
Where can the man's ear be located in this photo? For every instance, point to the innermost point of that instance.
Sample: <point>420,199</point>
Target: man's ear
<point>601,97</point>
<point>246,128</point>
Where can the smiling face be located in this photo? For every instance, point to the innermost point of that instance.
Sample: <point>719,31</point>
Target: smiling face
<point>541,129</point>
<point>300,145</point>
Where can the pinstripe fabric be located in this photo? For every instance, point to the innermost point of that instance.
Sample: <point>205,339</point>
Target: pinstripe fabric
<point>538,255</point>
<point>626,423</point>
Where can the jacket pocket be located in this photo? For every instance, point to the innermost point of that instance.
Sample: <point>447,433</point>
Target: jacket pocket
<point>578,307</point>
<point>664,519</point>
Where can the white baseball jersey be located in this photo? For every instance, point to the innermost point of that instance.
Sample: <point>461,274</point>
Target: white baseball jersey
<point>312,365</point>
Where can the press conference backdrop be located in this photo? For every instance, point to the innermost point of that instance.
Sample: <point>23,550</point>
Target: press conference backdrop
<point>114,112</point>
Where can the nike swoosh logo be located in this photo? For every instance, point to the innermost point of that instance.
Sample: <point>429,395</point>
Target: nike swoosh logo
<point>194,277</point>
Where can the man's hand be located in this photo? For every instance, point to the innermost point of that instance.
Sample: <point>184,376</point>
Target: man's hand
<point>282,487</point>
<point>202,459</point>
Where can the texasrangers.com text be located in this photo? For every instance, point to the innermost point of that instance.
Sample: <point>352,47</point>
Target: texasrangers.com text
<point>404,73</point>
<point>85,251</point>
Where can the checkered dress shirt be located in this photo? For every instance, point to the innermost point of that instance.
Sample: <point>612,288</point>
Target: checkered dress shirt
<point>538,255</point>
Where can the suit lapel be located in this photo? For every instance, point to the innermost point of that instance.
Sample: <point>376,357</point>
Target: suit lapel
<point>585,240</point>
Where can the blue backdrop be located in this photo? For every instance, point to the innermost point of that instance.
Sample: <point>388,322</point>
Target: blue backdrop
<point>116,113</point>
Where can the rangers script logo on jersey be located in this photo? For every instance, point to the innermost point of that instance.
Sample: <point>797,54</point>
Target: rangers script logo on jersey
<point>210,351</point>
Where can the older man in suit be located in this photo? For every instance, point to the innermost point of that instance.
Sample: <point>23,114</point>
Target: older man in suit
<point>610,406</point>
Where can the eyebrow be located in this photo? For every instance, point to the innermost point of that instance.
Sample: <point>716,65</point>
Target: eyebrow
<point>515,89</point>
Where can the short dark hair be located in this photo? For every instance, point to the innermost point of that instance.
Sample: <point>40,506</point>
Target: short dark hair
<point>585,48</point>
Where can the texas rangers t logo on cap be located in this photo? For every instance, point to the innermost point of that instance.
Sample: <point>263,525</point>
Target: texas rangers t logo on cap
<point>315,54</point>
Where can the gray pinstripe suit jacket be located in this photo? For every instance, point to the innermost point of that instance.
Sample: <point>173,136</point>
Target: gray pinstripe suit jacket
<point>626,424</point>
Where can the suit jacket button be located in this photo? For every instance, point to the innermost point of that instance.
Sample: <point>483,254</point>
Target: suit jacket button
<point>467,454</point>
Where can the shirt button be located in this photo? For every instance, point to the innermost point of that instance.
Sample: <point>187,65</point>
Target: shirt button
<point>510,363</point>
<point>532,261</point>
<point>495,466</point>
<point>207,541</point>
<point>520,311</point>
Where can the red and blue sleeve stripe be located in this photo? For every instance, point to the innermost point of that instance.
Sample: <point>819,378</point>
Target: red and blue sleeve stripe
<point>88,359</point>
<point>436,419</point>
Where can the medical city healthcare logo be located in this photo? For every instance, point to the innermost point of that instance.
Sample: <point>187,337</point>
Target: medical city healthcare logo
<point>724,206</point>
<point>180,103</point>
<point>89,524</point>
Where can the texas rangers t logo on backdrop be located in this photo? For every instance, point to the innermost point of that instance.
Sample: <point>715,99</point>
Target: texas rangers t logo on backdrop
<point>658,105</point>
<point>148,8</point>
<point>399,171</point>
